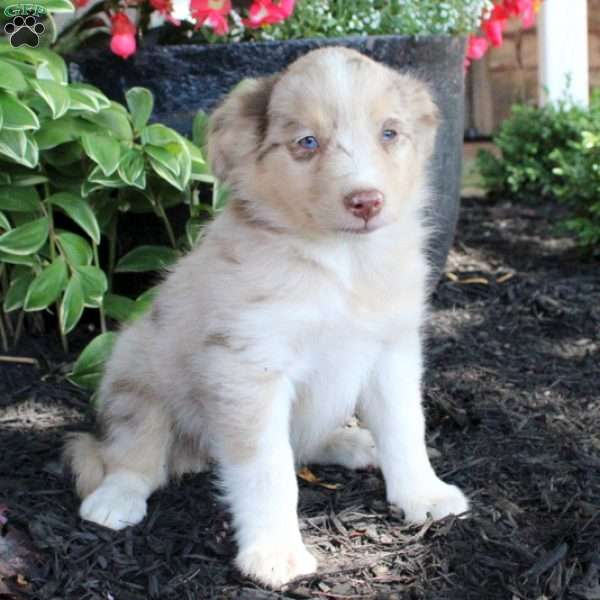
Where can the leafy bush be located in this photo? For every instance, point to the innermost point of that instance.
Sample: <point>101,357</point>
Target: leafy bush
<point>71,162</point>
<point>578,171</point>
<point>335,18</point>
<point>552,152</point>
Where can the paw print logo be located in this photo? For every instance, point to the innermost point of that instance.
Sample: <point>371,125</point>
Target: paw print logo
<point>24,31</point>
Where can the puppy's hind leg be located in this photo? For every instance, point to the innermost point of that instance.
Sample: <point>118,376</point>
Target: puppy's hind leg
<point>349,447</point>
<point>134,453</point>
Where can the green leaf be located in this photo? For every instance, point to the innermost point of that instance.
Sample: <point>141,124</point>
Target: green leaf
<point>47,286</point>
<point>119,307</point>
<point>12,79</point>
<point>94,285</point>
<point>114,119</point>
<point>195,153</point>
<point>88,187</point>
<point>193,230</point>
<point>4,222</point>
<point>140,102</point>
<point>98,177</point>
<point>15,296</point>
<point>145,300</point>
<point>103,150</point>
<point>132,168</point>
<point>89,367</point>
<point>221,195</point>
<point>60,131</point>
<point>32,154</point>
<point>185,162</point>
<point>166,174</point>
<point>76,249</point>
<point>25,239</point>
<point>20,147</point>
<point>164,157</point>
<point>72,305</point>
<point>159,135</point>
<point>80,211</point>
<point>16,115</point>
<point>14,259</point>
<point>50,65</point>
<point>200,129</point>
<point>147,258</point>
<point>19,199</point>
<point>66,154</point>
<point>54,94</point>
<point>28,179</point>
<point>54,133</point>
<point>81,101</point>
<point>57,6</point>
<point>13,144</point>
<point>91,92</point>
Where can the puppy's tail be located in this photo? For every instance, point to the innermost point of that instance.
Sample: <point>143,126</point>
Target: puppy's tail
<point>82,454</point>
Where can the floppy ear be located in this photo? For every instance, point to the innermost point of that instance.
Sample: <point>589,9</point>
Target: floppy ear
<point>238,127</point>
<point>425,114</point>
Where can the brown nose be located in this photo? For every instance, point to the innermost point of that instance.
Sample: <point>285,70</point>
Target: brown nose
<point>364,204</point>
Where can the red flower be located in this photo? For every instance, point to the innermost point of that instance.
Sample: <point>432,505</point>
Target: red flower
<point>501,11</point>
<point>525,9</point>
<point>493,30</point>
<point>477,47</point>
<point>495,24</point>
<point>123,42</point>
<point>211,13</point>
<point>515,7</point>
<point>266,12</point>
<point>81,3</point>
<point>528,17</point>
<point>165,8</point>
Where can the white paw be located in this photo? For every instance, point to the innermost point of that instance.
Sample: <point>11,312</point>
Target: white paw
<point>114,506</point>
<point>351,447</point>
<point>273,564</point>
<point>438,500</point>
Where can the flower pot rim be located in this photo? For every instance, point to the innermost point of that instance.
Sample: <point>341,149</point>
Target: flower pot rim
<point>163,48</point>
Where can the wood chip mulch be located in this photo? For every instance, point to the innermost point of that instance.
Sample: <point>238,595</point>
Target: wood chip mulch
<point>513,399</point>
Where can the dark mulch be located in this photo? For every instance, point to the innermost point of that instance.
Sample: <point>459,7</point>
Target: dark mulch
<point>513,396</point>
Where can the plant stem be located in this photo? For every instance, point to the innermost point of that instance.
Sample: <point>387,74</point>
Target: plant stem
<point>3,333</point>
<point>163,216</point>
<point>112,249</point>
<point>101,307</point>
<point>63,336</point>
<point>4,289</point>
<point>19,327</point>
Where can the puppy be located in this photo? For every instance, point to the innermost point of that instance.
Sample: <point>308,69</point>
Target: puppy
<point>301,307</point>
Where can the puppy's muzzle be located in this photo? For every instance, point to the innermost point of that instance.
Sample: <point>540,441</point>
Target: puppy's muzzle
<point>364,204</point>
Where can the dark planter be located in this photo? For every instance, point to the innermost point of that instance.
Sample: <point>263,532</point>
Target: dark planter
<point>191,77</point>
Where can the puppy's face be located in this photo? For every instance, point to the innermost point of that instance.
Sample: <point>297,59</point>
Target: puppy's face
<point>337,143</point>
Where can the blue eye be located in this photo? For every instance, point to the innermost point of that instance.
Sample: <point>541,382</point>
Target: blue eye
<point>310,142</point>
<point>389,134</point>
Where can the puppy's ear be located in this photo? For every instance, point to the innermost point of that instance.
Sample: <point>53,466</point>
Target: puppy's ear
<point>238,127</point>
<point>423,111</point>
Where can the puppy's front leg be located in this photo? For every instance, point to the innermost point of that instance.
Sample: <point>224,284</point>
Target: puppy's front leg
<point>257,471</point>
<point>391,409</point>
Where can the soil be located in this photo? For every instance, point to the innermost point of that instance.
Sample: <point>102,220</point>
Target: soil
<point>513,400</point>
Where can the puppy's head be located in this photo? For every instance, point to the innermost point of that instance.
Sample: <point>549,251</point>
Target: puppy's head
<point>336,143</point>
